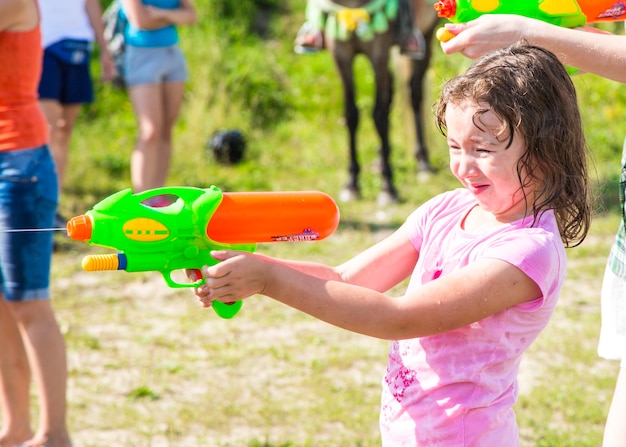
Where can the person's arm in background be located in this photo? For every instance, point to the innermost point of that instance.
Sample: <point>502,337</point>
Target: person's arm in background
<point>94,13</point>
<point>598,53</point>
<point>185,14</point>
<point>149,17</point>
<point>17,15</point>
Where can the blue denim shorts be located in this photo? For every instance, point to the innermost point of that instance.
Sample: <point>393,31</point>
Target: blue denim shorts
<point>28,199</point>
<point>154,65</point>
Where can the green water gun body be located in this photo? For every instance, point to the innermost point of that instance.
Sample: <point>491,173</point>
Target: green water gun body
<point>566,13</point>
<point>163,239</point>
<point>175,228</point>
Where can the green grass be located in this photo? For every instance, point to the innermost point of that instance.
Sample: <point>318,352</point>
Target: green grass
<point>149,367</point>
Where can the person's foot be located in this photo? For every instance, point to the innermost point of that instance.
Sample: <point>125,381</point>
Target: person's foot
<point>5,440</point>
<point>414,45</point>
<point>62,440</point>
<point>308,40</point>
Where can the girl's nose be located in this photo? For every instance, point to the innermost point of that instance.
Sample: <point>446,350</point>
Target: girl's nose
<point>466,164</point>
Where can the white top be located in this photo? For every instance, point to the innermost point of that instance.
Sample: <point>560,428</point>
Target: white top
<point>64,19</point>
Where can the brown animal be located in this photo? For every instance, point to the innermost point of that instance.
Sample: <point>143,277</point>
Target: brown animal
<point>376,46</point>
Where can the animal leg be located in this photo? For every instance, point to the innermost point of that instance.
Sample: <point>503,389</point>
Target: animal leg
<point>344,62</point>
<point>382,109</point>
<point>416,82</point>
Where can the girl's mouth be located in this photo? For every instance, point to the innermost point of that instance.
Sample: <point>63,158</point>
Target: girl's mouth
<point>476,189</point>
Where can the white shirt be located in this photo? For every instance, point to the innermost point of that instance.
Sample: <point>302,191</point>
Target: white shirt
<point>64,19</point>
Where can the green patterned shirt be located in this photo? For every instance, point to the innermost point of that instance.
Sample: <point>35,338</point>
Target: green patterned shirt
<point>617,257</point>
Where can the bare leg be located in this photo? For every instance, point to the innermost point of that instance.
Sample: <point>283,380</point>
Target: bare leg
<point>615,429</point>
<point>148,108</point>
<point>45,348</point>
<point>14,381</point>
<point>156,108</point>
<point>61,120</point>
<point>173,93</point>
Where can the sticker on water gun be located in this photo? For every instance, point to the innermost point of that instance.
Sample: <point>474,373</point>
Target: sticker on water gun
<point>614,12</point>
<point>307,235</point>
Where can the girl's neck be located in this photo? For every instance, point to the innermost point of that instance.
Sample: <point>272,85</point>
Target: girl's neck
<point>478,220</point>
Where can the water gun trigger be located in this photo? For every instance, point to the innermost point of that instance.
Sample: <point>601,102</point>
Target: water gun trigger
<point>197,274</point>
<point>180,279</point>
<point>224,310</point>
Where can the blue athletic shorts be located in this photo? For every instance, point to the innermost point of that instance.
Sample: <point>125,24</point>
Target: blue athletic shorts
<point>63,79</point>
<point>28,199</point>
<point>154,65</point>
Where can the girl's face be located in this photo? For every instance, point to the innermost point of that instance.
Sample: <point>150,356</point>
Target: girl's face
<point>483,164</point>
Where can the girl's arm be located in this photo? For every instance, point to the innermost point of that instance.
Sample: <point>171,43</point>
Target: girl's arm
<point>351,296</point>
<point>599,53</point>
<point>363,270</point>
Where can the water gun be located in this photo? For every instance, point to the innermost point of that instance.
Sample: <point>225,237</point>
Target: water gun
<point>566,13</point>
<point>175,228</point>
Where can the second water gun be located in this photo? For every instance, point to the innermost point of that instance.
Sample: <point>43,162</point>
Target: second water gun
<point>180,232</point>
<point>566,13</point>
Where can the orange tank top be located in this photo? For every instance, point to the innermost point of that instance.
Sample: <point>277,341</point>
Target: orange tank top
<point>22,123</point>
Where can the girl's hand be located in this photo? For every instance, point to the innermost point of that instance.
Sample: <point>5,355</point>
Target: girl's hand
<point>239,276</point>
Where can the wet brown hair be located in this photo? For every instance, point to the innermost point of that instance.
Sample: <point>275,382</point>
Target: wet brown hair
<point>533,95</point>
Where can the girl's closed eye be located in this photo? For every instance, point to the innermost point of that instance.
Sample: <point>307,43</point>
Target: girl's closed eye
<point>478,150</point>
<point>484,152</point>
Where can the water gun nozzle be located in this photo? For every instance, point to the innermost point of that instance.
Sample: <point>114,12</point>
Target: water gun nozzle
<point>446,8</point>
<point>79,228</point>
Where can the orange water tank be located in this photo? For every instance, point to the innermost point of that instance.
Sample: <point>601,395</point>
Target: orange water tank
<point>249,217</point>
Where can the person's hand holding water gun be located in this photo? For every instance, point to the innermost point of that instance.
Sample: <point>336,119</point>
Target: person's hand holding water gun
<point>237,276</point>
<point>597,53</point>
<point>476,33</point>
<point>487,33</point>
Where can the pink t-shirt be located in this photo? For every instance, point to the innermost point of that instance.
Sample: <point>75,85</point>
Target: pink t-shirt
<point>458,388</point>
